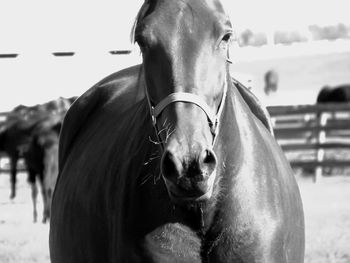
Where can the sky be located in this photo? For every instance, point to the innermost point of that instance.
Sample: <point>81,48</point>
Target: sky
<point>36,28</point>
<point>286,14</point>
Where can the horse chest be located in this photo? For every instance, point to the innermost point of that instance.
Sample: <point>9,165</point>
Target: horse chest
<point>172,242</point>
<point>247,246</point>
<point>177,243</point>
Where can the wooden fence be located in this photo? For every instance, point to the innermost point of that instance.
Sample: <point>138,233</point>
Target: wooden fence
<point>307,132</point>
<point>314,136</point>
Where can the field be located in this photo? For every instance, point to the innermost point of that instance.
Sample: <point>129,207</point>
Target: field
<point>327,217</point>
<point>300,77</point>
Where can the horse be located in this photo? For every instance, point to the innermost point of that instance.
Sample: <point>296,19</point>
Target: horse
<point>41,159</point>
<point>32,133</point>
<point>330,94</point>
<point>336,94</point>
<point>15,138</point>
<point>271,81</point>
<point>172,160</point>
<point>21,126</point>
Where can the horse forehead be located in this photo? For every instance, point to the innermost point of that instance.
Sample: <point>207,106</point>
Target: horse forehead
<point>214,4</point>
<point>208,11</point>
<point>209,5</point>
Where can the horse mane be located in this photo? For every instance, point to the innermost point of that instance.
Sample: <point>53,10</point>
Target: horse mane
<point>140,15</point>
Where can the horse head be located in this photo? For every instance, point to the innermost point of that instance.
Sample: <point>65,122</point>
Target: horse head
<point>186,77</point>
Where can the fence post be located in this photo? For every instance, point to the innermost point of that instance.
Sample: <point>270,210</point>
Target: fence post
<point>321,138</point>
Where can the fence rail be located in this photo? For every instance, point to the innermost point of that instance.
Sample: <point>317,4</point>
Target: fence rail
<point>304,128</point>
<point>316,128</point>
<point>305,109</point>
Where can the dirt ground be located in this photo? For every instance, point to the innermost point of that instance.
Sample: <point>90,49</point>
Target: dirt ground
<point>327,217</point>
<point>21,241</point>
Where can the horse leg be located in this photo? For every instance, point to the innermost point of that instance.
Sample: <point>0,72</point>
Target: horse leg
<point>13,163</point>
<point>47,210</point>
<point>49,177</point>
<point>45,201</point>
<point>34,187</point>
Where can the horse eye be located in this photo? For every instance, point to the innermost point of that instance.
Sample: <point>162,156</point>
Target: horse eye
<point>225,41</point>
<point>227,37</point>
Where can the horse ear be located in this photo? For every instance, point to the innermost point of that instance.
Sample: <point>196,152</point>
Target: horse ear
<point>254,105</point>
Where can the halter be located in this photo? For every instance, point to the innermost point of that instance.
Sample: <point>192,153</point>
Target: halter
<point>187,97</point>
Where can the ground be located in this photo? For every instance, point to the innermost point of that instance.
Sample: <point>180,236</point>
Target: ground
<point>327,217</point>
<point>21,240</point>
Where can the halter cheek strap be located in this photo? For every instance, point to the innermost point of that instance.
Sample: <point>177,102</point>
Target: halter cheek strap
<point>187,98</point>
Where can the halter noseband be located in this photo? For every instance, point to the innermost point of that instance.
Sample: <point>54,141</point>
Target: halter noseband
<point>186,97</point>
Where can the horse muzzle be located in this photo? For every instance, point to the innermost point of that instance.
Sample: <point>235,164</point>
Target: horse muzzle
<point>189,180</point>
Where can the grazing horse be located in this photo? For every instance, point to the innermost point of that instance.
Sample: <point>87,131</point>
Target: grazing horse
<point>35,140</point>
<point>15,139</point>
<point>21,126</point>
<point>41,159</point>
<point>170,161</point>
<point>32,133</point>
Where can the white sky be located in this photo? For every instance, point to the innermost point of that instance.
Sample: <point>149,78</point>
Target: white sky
<point>35,28</point>
<point>270,14</point>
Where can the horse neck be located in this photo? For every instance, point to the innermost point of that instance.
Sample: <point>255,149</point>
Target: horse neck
<point>240,140</point>
<point>238,127</point>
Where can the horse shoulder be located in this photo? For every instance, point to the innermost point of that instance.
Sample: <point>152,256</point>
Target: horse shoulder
<point>118,85</point>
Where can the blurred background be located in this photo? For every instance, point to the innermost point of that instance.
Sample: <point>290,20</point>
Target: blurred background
<point>285,52</point>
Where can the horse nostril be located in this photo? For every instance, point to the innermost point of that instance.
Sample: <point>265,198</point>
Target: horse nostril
<point>208,156</point>
<point>208,160</point>
<point>170,165</point>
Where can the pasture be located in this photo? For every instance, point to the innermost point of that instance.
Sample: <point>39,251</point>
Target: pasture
<point>300,77</point>
<point>327,217</point>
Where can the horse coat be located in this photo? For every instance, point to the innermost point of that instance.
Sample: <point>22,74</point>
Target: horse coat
<point>111,203</point>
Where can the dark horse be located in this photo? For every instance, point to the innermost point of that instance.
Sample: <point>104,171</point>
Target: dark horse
<point>41,159</point>
<point>335,94</point>
<point>23,124</point>
<point>32,133</point>
<point>16,136</point>
<point>170,161</point>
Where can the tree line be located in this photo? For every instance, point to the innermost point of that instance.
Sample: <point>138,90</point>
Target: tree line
<point>249,37</point>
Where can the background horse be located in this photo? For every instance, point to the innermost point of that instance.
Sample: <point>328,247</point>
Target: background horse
<point>271,82</point>
<point>32,133</point>
<point>335,94</point>
<point>170,161</point>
